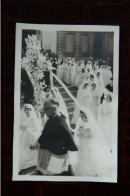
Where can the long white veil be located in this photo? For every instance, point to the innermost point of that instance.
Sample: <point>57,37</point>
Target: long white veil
<point>101,159</point>
<point>62,106</point>
<point>97,135</point>
<point>35,126</point>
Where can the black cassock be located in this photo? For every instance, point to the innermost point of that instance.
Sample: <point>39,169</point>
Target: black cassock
<point>56,136</point>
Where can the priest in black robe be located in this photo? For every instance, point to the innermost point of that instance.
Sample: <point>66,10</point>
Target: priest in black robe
<point>55,142</point>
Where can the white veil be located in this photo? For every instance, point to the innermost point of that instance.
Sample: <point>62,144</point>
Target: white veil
<point>82,95</point>
<point>103,159</point>
<point>81,87</point>
<point>62,106</point>
<point>34,124</point>
<point>97,135</point>
<point>96,91</point>
<point>100,80</point>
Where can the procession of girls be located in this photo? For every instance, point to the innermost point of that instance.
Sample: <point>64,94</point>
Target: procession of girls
<point>93,119</point>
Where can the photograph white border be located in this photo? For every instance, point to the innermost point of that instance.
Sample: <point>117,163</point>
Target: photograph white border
<point>17,83</point>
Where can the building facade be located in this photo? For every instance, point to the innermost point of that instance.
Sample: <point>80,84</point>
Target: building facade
<point>79,45</point>
<point>82,45</point>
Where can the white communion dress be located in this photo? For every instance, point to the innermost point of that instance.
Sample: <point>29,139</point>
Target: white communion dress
<point>100,84</point>
<point>96,102</point>
<point>93,156</point>
<point>84,98</point>
<point>105,117</point>
<point>73,74</point>
<point>78,76</point>
<point>30,131</point>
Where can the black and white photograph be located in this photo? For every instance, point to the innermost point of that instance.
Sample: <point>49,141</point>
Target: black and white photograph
<point>66,103</point>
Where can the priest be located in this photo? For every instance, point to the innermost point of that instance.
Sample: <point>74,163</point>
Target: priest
<point>54,143</point>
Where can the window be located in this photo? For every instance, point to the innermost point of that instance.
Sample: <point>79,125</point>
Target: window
<point>69,42</point>
<point>84,43</point>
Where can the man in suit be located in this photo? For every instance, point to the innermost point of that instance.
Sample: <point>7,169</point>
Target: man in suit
<point>54,65</point>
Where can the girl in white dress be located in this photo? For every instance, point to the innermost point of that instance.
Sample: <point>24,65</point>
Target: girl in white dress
<point>30,131</point>
<point>96,99</point>
<point>102,69</point>
<point>78,75</point>
<point>84,98</point>
<point>105,117</point>
<point>89,65</point>
<point>88,74</point>
<point>100,83</point>
<point>62,70</point>
<point>72,74</point>
<point>65,66</point>
<point>93,156</point>
<point>83,75</point>
<point>91,80</point>
<point>95,69</point>
<point>68,74</point>
<point>105,75</point>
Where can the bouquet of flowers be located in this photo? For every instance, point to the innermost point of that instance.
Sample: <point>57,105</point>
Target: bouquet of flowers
<point>35,68</point>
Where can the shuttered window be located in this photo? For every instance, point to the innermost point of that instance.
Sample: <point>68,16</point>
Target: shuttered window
<point>69,42</point>
<point>84,43</point>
